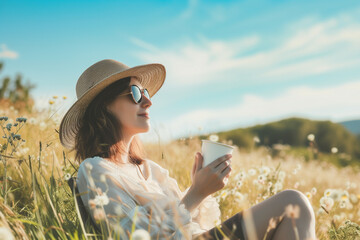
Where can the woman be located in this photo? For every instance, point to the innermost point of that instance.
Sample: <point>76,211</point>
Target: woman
<point>124,191</point>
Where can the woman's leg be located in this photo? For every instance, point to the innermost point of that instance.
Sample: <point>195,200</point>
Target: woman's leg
<point>231,228</point>
<point>256,219</point>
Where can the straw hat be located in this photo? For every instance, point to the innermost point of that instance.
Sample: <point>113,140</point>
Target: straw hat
<point>96,78</point>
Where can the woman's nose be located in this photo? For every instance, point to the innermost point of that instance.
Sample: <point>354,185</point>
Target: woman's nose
<point>146,102</point>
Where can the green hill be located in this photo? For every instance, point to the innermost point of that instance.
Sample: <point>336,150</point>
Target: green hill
<point>294,132</point>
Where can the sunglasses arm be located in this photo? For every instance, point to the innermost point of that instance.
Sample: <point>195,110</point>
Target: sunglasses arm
<point>124,94</point>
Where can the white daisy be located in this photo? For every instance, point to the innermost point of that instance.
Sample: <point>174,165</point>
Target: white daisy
<point>101,199</point>
<point>311,137</point>
<point>140,234</point>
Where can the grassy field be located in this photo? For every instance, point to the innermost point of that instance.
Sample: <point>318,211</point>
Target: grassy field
<point>36,202</point>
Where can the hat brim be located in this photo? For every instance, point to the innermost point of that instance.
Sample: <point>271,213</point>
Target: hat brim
<point>151,76</point>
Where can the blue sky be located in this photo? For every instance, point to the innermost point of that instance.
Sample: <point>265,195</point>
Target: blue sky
<point>229,63</point>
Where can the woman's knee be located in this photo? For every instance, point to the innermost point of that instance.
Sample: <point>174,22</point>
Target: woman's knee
<point>295,197</point>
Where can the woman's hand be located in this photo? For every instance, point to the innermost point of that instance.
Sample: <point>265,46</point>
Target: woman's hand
<point>211,178</point>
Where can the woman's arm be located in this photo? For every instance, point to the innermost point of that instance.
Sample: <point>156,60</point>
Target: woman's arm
<point>192,199</point>
<point>205,180</point>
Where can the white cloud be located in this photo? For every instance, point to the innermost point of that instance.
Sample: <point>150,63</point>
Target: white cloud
<point>6,53</point>
<point>198,63</point>
<point>315,48</point>
<point>334,103</point>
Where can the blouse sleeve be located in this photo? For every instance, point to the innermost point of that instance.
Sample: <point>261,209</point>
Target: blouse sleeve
<point>207,214</point>
<point>106,197</point>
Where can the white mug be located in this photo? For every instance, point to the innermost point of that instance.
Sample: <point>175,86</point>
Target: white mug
<point>213,150</point>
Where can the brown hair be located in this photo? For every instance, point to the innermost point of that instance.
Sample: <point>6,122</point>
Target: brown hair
<point>100,132</point>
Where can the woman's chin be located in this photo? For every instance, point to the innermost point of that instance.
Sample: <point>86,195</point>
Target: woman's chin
<point>145,129</point>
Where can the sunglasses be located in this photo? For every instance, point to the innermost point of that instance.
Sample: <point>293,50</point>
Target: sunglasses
<point>137,93</point>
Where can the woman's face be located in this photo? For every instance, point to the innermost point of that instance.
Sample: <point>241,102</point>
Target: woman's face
<point>127,112</point>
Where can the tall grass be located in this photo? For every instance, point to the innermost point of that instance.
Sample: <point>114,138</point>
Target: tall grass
<point>37,203</point>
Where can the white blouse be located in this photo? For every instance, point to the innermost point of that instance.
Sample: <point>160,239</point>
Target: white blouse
<point>132,202</point>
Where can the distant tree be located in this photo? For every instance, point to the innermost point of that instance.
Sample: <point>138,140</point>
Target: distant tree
<point>15,93</point>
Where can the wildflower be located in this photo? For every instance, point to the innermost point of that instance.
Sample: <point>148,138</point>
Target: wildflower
<point>343,204</point>
<point>3,119</point>
<point>328,192</point>
<point>223,194</point>
<point>6,233</point>
<point>88,166</point>
<point>99,214</point>
<point>257,183</point>
<point>238,184</point>
<point>292,211</point>
<point>278,186</point>
<point>103,178</point>
<point>240,176</point>
<point>64,97</point>
<point>327,202</point>
<point>101,199</point>
<point>252,172</point>
<point>313,191</point>
<point>309,195</point>
<point>32,120</point>
<point>16,136</point>
<point>334,150</point>
<point>353,198</point>
<point>8,126</point>
<point>265,170</point>
<point>347,184</point>
<point>118,210</point>
<point>261,178</point>
<point>256,139</point>
<point>336,194</point>
<point>42,126</point>
<point>311,137</point>
<point>320,211</point>
<point>140,234</point>
<point>282,175</point>
<point>21,119</point>
<point>214,137</point>
<point>55,97</point>
<point>51,102</point>
<point>67,176</point>
<point>345,195</point>
<point>239,197</point>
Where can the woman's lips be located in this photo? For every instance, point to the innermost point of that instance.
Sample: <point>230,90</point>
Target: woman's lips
<point>145,115</point>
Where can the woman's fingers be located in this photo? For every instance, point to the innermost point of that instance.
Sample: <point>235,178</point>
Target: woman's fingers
<point>199,162</point>
<point>225,172</point>
<point>215,164</point>
<point>195,165</point>
<point>223,166</point>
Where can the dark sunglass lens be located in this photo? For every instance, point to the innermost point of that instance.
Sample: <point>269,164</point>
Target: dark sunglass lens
<point>136,93</point>
<point>146,93</point>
